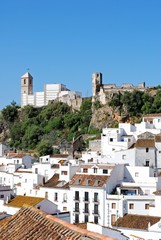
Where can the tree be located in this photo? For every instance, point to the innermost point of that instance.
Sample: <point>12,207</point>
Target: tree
<point>10,112</point>
<point>44,148</point>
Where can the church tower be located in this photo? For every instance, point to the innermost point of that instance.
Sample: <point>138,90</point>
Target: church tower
<point>26,87</point>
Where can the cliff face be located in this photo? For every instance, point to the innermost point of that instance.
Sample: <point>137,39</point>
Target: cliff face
<point>104,117</point>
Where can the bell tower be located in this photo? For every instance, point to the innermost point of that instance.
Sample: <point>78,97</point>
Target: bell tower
<point>26,87</point>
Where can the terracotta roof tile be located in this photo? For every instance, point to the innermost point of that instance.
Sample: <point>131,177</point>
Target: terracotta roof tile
<point>88,180</point>
<point>32,224</point>
<point>55,183</point>
<point>152,115</point>
<point>158,138</point>
<point>19,201</point>
<point>136,221</point>
<point>145,143</point>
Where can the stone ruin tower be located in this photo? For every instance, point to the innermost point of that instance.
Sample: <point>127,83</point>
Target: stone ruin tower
<point>96,84</point>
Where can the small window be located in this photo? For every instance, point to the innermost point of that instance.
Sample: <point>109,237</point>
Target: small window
<point>146,206</point>
<point>105,171</point>
<point>159,151</point>
<point>24,81</point>
<point>147,163</point>
<point>114,205</point>
<point>147,149</point>
<point>64,172</point>
<point>124,157</point>
<point>131,206</point>
<point>65,209</point>
<point>95,170</point>
<point>56,197</point>
<point>85,170</point>
<point>46,194</point>
<point>136,174</point>
<point>2,196</point>
<point>111,139</point>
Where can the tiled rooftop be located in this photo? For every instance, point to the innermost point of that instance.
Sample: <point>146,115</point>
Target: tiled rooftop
<point>88,180</point>
<point>19,201</point>
<point>136,221</point>
<point>55,183</point>
<point>32,224</point>
<point>152,115</point>
<point>145,143</point>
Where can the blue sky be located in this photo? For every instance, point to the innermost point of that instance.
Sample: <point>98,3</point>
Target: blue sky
<point>65,41</point>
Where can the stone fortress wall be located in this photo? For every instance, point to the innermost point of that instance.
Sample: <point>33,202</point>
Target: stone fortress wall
<point>100,91</point>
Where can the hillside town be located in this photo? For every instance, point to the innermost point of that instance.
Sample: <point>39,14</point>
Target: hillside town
<point>113,189</point>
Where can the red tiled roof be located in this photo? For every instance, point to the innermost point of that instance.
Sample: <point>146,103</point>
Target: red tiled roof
<point>32,224</point>
<point>55,183</point>
<point>158,138</point>
<point>145,143</point>
<point>136,221</point>
<point>152,115</point>
<point>88,180</point>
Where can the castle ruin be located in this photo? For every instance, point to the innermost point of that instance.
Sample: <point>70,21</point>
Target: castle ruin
<point>102,92</point>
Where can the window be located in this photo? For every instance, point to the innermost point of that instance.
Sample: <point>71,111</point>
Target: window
<point>85,218</point>
<point>95,209</point>
<point>65,209</point>
<point>95,197</point>
<point>95,219</point>
<point>114,205</point>
<point>95,170</point>
<point>24,81</point>
<point>64,172</point>
<point>131,206</point>
<point>25,180</point>
<point>146,206</point>
<point>2,196</point>
<point>147,163</point>
<point>56,196</point>
<point>64,197</point>
<point>111,139</point>
<point>147,149</point>
<point>76,218</point>
<point>36,170</point>
<point>46,194</point>
<point>76,207</point>
<point>136,174</point>
<point>124,157</point>
<point>113,219</point>
<point>86,208</point>
<point>76,195</point>
<point>30,81</point>
<point>85,170</point>
<point>17,161</point>
<point>105,171</point>
<point>86,196</point>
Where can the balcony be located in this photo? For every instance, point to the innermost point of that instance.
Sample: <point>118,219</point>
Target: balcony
<point>77,199</point>
<point>96,212</point>
<point>96,200</point>
<point>86,211</point>
<point>76,210</point>
<point>86,200</point>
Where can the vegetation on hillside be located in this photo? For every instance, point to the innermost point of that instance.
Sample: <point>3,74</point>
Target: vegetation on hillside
<point>136,103</point>
<point>41,128</point>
